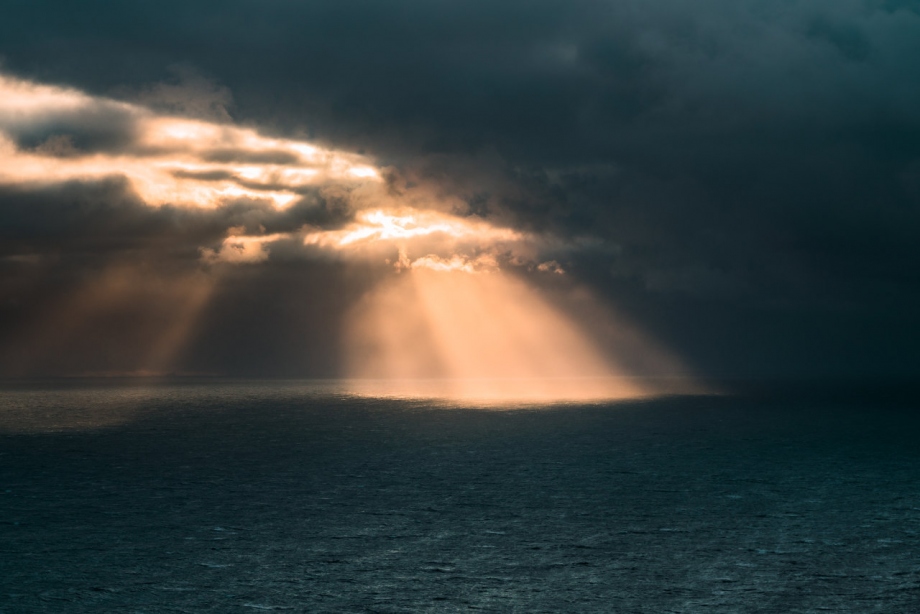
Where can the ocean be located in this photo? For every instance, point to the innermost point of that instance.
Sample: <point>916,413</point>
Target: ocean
<point>210,496</point>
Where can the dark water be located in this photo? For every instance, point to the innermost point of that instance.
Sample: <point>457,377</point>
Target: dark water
<point>282,496</point>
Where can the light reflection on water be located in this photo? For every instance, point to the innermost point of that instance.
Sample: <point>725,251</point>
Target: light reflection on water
<point>86,404</point>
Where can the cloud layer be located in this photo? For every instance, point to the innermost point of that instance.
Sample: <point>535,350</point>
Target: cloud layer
<point>740,177</point>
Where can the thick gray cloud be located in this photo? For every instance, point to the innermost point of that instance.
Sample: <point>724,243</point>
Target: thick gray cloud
<point>743,176</point>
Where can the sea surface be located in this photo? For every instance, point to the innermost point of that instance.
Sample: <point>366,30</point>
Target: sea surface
<point>202,496</point>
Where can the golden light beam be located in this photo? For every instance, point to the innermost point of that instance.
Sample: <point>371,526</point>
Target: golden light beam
<point>161,312</point>
<point>191,295</point>
<point>482,337</point>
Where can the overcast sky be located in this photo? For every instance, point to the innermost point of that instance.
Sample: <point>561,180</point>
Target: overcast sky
<point>740,179</point>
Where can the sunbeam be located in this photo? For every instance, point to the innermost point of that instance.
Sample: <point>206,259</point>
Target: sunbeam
<point>477,336</point>
<point>127,314</point>
<point>455,314</point>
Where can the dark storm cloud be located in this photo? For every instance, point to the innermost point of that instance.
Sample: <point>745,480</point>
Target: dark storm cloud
<point>743,177</point>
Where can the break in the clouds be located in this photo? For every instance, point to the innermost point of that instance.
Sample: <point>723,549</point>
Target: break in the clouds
<point>740,179</point>
<point>463,319</point>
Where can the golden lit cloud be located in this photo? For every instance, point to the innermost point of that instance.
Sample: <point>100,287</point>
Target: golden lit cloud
<point>397,226</point>
<point>24,101</point>
<point>425,239</point>
<point>167,160</point>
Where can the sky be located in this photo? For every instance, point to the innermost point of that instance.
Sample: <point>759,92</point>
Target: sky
<point>410,189</point>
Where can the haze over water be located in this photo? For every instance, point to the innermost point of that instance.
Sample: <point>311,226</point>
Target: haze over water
<point>242,496</point>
